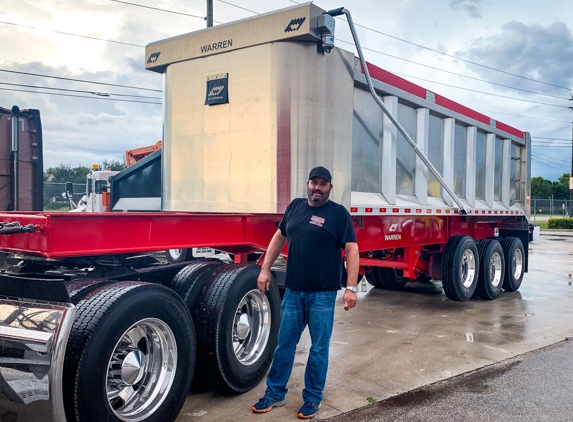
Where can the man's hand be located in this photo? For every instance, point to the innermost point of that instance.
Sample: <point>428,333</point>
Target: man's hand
<point>264,281</point>
<point>349,299</point>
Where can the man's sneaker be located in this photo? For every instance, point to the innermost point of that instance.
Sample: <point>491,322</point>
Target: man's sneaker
<point>308,410</point>
<point>265,405</point>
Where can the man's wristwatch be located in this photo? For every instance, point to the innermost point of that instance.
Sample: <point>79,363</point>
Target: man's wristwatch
<point>354,289</point>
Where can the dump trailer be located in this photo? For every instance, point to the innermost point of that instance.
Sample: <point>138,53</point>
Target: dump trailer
<point>93,329</point>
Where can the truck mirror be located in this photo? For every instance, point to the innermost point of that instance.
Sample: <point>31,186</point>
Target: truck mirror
<point>69,188</point>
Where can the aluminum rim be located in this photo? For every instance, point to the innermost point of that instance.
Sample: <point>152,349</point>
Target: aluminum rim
<point>251,327</point>
<point>175,253</point>
<point>517,264</point>
<point>468,268</point>
<point>495,269</point>
<point>141,370</point>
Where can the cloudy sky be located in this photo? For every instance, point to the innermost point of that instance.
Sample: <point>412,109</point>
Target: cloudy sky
<point>510,59</point>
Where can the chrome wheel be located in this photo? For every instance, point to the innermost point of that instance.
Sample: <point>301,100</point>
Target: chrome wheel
<point>517,263</point>
<point>141,369</point>
<point>175,254</point>
<point>468,268</point>
<point>251,327</point>
<point>496,269</point>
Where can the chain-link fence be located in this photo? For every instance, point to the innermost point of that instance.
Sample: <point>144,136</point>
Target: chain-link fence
<point>544,209</point>
<point>55,201</point>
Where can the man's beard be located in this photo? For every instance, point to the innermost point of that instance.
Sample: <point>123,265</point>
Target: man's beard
<point>321,198</point>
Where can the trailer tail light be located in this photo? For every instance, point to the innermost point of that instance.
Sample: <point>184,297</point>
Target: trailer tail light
<point>382,209</point>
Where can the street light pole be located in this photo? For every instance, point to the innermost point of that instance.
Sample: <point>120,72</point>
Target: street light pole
<point>209,13</point>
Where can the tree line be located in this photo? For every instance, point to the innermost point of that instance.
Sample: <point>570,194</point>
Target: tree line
<point>66,173</point>
<point>542,188</point>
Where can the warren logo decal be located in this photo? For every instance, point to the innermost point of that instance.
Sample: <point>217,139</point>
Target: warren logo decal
<point>217,90</point>
<point>295,24</point>
<point>153,57</point>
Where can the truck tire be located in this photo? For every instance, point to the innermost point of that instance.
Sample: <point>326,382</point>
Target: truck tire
<point>514,263</point>
<point>190,280</point>
<point>237,328</point>
<point>491,271</point>
<point>176,256</point>
<point>130,355</point>
<point>80,289</point>
<point>388,278</point>
<point>460,268</point>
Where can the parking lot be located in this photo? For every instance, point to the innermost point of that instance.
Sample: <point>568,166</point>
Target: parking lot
<point>396,341</point>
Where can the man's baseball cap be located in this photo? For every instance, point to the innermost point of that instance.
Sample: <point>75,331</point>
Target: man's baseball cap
<point>321,172</point>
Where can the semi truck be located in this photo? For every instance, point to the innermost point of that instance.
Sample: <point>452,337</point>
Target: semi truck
<point>93,329</point>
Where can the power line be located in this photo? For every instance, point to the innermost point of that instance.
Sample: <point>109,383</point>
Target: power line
<point>552,166</point>
<point>519,115</point>
<point>240,7</point>
<point>482,92</point>
<point>161,10</point>
<point>73,35</point>
<point>101,94</point>
<point>453,57</point>
<point>551,139</point>
<point>435,68</point>
<point>457,74</point>
<point>550,160</point>
<point>79,80</point>
<point>78,96</point>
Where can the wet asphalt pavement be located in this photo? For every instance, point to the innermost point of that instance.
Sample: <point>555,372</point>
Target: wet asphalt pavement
<point>536,386</point>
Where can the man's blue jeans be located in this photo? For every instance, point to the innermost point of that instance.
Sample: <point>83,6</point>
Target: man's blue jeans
<point>299,309</point>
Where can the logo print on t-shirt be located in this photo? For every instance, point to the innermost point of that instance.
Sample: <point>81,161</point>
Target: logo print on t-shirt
<point>317,221</point>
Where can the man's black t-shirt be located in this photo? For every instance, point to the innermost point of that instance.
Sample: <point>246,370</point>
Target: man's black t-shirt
<point>316,237</point>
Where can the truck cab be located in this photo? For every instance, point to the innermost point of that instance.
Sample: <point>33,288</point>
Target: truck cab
<point>97,187</point>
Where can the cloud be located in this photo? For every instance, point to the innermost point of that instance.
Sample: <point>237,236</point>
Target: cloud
<point>532,50</point>
<point>470,6</point>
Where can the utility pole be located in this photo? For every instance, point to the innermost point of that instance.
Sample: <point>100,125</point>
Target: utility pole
<point>571,173</point>
<point>209,17</point>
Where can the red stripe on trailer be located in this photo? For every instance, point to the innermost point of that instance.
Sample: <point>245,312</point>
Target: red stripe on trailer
<point>394,80</point>
<point>510,130</point>
<point>407,86</point>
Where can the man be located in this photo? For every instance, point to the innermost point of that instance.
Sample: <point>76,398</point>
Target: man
<point>317,230</point>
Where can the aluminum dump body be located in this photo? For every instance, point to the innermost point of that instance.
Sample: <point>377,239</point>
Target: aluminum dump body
<point>248,113</point>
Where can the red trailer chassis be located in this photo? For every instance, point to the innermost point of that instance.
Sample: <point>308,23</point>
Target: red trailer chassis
<point>403,239</point>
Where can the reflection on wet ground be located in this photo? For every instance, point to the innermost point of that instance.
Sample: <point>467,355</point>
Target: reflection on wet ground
<point>397,341</point>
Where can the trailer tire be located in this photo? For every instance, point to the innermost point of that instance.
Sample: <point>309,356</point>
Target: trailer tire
<point>237,328</point>
<point>460,268</point>
<point>491,271</point>
<point>132,338</point>
<point>514,263</point>
<point>373,278</point>
<point>175,256</point>
<point>387,278</point>
<point>190,280</point>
